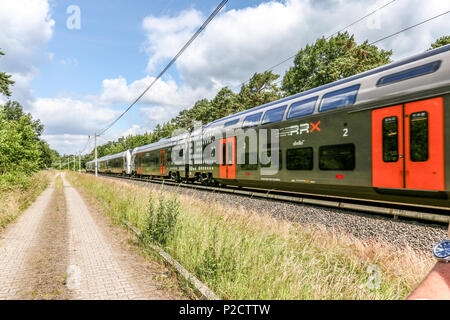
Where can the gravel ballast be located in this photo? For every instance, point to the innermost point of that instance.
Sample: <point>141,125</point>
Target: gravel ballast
<point>420,236</point>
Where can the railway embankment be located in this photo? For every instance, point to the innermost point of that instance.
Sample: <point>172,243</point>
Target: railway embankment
<point>243,253</point>
<point>18,192</point>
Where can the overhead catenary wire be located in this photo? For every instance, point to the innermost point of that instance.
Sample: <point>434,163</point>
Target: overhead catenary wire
<point>346,27</point>
<point>213,14</point>
<point>398,32</point>
<point>196,34</point>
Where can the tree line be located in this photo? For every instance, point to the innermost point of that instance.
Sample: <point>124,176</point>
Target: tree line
<point>325,61</point>
<point>22,151</point>
<point>322,62</point>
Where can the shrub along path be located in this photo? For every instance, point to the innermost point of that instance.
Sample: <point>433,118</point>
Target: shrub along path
<point>60,249</point>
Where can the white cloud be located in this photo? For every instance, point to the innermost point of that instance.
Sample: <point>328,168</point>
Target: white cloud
<point>168,93</point>
<point>68,116</point>
<point>240,42</point>
<point>25,27</point>
<point>166,35</point>
<point>68,143</point>
<point>134,130</point>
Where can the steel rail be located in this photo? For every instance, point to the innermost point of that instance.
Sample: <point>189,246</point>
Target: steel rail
<point>394,209</point>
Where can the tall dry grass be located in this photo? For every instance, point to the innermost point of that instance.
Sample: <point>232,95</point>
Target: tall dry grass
<point>251,255</point>
<point>17,195</point>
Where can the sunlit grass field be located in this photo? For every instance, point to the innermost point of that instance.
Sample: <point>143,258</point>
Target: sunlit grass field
<point>18,192</point>
<point>241,254</point>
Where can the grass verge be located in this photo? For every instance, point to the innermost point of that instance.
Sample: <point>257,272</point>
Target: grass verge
<point>251,255</point>
<point>18,192</point>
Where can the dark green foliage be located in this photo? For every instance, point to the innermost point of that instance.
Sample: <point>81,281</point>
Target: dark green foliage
<point>162,218</point>
<point>5,82</point>
<point>329,60</point>
<point>19,141</point>
<point>442,41</point>
<point>260,90</point>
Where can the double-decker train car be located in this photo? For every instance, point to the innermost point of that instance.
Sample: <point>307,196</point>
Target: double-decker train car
<point>119,163</point>
<point>383,134</point>
<point>155,160</point>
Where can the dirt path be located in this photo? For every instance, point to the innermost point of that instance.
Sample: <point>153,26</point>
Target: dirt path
<point>16,245</point>
<point>62,249</point>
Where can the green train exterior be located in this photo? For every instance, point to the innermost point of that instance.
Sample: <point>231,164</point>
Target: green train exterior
<point>380,135</point>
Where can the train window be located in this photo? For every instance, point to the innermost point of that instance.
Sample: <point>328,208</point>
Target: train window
<point>390,139</point>
<point>337,157</point>
<point>230,123</point>
<point>224,154</point>
<point>339,98</point>
<point>302,108</point>
<point>410,73</point>
<point>269,154</point>
<point>274,115</point>
<point>247,165</point>
<point>249,155</point>
<point>299,159</point>
<point>230,153</point>
<point>252,120</point>
<point>419,136</point>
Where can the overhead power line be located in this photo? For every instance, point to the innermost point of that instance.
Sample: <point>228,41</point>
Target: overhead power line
<point>203,26</point>
<point>413,26</point>
<point>400,31</point>
<point>346,27</point>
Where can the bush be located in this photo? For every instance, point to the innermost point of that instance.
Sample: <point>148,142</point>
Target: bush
<point>162,218</point>
<point>14,180</point>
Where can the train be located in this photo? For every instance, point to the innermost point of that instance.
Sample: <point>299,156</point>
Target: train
<point>381,135</point>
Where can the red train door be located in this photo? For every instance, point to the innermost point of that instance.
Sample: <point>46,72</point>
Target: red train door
<point>162,161</point>
<point>407,151</point>
<point>227,167</point>
<point>424,145</point>
<point>387,147</point>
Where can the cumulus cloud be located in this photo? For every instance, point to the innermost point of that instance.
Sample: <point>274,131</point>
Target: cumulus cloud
<point>69,116</point>
<point>68,143</point>
<point>26,26</point>
<point>166,35</point>
<point>240,42</point>
<point>168,92</point>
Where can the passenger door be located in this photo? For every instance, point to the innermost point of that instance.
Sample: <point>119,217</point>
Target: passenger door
<point>408,146</point>
<point>162,162</point>
<point>227,167</point>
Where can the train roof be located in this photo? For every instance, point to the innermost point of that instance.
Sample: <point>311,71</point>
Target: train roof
<point>422,72</point>
<point>111,156</point>
<point>163,143</point>
<point>394,78</point>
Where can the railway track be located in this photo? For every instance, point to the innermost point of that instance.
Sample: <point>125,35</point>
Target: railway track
<point>395,210</point>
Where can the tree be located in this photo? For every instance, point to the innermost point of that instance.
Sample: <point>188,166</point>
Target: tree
<point>260,90</point>
<point>13,111</point>
<point>442,41</point>
<point>329,60</point>
<point>19,145</point>
<point>5,82</point>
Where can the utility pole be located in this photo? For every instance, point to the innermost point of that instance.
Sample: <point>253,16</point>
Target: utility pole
<point>79,162</point>
<point>95,152</point>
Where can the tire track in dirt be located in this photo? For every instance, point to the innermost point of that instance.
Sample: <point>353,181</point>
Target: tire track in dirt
<point>48,258</point>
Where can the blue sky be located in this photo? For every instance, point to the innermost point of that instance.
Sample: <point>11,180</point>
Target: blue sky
<point>77,81</point>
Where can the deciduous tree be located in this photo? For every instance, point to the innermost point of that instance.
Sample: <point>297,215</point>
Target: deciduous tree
<point>329,60</point>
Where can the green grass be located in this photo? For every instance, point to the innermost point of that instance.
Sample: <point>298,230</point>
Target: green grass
<point>18,192</point>
<point>248,255</point>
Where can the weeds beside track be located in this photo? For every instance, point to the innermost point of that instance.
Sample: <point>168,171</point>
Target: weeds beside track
<point>249,255</point>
